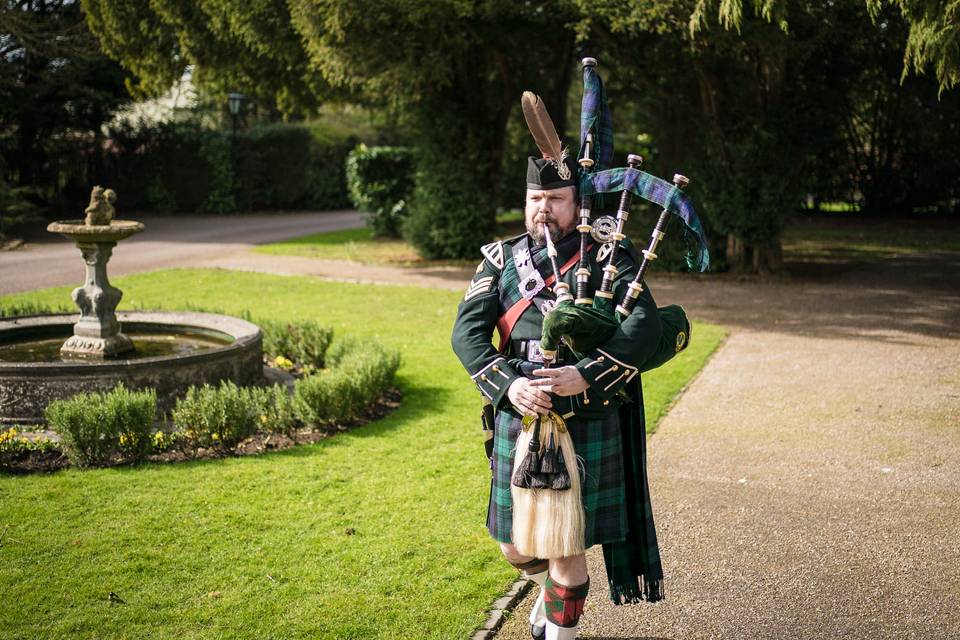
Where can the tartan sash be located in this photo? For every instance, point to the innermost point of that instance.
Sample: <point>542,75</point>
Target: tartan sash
<point>511,278</point>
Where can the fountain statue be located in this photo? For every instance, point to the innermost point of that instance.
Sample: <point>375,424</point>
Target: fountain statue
<point>49,356</point>
<point>97,334</point>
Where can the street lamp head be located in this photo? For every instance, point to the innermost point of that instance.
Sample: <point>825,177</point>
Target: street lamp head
<point>234,100</point>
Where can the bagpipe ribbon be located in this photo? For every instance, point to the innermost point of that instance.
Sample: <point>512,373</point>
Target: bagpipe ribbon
<point>602,178</point>
<point>659,191</point>
<point>595,119</point>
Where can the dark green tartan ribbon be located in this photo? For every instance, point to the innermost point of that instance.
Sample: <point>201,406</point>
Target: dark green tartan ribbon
<point>634,571</point>
<point>659,191</point>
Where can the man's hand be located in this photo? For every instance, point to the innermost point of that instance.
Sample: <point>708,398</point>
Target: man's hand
<point>527,398</point>
<point>563,381</point>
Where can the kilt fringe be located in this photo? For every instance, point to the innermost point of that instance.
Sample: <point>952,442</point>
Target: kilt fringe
<point>643,590</point>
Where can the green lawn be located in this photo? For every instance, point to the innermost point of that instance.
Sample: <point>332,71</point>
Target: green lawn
<point>349,244</point>
<point>816,239</point>
<point>257,547</point>
<point>356,245</point>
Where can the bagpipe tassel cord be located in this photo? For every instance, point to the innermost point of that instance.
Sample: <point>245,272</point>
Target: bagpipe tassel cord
<point>548,523</point>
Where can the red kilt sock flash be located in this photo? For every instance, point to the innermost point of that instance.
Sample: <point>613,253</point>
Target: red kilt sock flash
<point>564,606</point>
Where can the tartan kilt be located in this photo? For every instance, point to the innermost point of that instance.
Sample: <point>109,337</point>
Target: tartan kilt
<point>597,442</point>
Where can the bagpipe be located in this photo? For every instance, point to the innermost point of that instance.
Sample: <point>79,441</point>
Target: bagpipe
<point>548,519</point>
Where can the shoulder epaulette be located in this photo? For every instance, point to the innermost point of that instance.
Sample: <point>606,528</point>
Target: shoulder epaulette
<point>493,252</point>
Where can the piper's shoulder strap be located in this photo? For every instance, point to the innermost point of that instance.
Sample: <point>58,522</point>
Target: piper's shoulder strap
<point>493,252</point>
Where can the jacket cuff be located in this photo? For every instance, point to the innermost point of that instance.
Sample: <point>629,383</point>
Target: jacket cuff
<point>605,374</point>
<point>494,380</point>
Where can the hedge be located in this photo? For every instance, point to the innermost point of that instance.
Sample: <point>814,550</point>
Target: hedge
<point>380,182</point>
<point>184,167</point>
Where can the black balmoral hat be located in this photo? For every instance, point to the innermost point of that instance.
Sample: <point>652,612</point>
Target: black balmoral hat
<point>543,174</point>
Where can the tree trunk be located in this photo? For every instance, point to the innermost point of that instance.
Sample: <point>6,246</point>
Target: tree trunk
<point>761,258</point>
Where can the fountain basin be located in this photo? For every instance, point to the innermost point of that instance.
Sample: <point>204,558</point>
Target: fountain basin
<point>78,231</point>
<point>206,348</point>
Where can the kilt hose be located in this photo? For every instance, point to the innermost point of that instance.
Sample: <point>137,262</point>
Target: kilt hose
<point>597,443</point>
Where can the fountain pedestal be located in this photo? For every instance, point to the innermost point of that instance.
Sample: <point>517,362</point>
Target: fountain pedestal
<point>97,334</point>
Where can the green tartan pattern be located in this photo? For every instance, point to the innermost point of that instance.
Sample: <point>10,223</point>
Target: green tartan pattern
<point>509,289</point>
<point>597,442</point>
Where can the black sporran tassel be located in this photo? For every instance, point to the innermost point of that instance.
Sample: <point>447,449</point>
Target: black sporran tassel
<point>548,464</point>
<point>530,464</point>
<point>561,481</point>
<point>541,480</point>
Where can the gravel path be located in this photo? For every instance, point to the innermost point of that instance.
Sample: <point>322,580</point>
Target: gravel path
<point>807,484</point>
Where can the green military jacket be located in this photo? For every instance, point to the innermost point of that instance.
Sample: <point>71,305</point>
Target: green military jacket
<point>495,288</point>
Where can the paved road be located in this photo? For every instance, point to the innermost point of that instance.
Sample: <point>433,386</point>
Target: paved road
<point>51,260</point>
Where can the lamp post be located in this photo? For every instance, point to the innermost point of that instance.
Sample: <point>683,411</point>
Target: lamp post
<point>234,102</point>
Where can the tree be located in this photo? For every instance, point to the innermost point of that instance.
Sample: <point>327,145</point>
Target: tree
<point>933,39</point>
<point>231,45</point>
<point>458,69</point>
<point>745,98</point>
<point>741,111</point>
<point>56,90</point>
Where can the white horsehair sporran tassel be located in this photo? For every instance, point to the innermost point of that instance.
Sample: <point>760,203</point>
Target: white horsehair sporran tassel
<point>548,523</point>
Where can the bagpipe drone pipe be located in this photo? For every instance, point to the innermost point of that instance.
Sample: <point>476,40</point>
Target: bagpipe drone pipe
<point>548,518</point>
<point>588,322</point>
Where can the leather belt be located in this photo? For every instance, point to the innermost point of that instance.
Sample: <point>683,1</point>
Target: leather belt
<point>529,350</point>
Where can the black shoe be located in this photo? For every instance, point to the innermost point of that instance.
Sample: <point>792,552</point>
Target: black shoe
<point>538,633</point>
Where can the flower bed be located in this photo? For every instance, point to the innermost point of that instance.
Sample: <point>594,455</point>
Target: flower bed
<point>335,388</point>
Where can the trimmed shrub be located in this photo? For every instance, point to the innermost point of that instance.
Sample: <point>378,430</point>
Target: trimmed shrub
<point>217,417</point>
<point>326,397</point>
<point>160,167</point>
<point>360,372</point>
<point>304,342</point>
<point>289,166</point>
<point>95,427</point>
<point>276,409</point>
<point>380,182</point>
<point>450,217</point>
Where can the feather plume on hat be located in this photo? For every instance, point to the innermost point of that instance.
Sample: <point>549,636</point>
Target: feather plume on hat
<point>544,133</point>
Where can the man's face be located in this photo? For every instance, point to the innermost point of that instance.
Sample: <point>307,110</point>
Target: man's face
<point>556,207</point>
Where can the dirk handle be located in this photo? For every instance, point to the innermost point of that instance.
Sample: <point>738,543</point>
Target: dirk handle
<point>623,212</point>
<point>635,288</point>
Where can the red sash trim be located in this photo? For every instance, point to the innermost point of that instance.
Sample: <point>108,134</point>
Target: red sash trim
<point>509,320</point>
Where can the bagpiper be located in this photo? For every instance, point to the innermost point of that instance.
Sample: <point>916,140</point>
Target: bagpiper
<point>577,405</point>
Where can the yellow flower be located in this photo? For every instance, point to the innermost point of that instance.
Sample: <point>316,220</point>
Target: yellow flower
<point>283,363</point>
<point>263,419</point>
<point>216,436</point>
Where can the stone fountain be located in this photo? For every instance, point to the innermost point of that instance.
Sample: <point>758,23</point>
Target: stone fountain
<point>97,333</point>
<point>45,357</point>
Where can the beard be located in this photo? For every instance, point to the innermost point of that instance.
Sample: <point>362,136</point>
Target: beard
<point>536,232</point>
